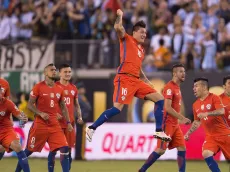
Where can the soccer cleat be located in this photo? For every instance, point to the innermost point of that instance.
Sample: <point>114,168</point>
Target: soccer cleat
<point>161,135</point>
<point>89,134</point>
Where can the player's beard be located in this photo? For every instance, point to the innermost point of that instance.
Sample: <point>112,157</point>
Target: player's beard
<point>53,78</point>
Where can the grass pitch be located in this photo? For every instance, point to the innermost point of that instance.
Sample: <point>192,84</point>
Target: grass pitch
<point>40,165</point>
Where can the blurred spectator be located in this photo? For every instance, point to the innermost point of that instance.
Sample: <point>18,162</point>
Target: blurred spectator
<point>210,47</point>
<point>4,25</point>
<point>177,42</point>
<point>223,58</point>
<point>156,38</point>
<point>187,22</point>
<point>221,35</point>
<point>22,105</point>
<point>162,56</point>
<point>224,11</point>
<point>26,18</point>
<point>83,101</point>
<point>14,21</point>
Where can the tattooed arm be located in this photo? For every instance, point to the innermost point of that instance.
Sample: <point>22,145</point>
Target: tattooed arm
<point>194,127</point>
<point>118,24</point>
<point>216,112</point>
<point>64,110</point>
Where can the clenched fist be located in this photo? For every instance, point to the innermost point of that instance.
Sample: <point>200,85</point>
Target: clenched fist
<point>119,12</point>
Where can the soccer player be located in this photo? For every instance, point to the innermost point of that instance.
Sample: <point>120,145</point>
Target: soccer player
<point>127,83</point>
<point>8,137</point>
<point>5,88</point>
<point>71,101</point>
<point>173,98</point>
<point>45,99</point>
<point>225,97</point>
<point>209,112</point>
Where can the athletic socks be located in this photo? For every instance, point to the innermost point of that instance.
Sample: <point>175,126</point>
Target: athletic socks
<point>181,160</point>
<point>109,113</point>
<point>212,165</point>
<point>23,161</point>
<point>51,161</point>
<point>151,159</point>
<point>158,112</point>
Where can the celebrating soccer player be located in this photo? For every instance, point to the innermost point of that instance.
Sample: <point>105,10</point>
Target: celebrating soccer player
<point>127,83</point>
<point>225,97</point>
<point>71,101</point>
<point>45,100</point>
<point>5,90</point>
<point>173,98</point>
<point>8,137</point>
<point>209,112</point>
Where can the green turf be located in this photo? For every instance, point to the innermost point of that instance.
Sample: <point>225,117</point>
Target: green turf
<point>40,165</point>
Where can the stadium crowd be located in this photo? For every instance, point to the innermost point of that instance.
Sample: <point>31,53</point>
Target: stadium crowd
<point>194,32</point>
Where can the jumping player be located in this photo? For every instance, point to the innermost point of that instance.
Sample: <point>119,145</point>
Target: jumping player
<point>173,98</point>
<point>209,112</point>
<point>45,100</point>
<point>127,83</point>
<point>8,137</point>
<point>71,101</point>
<point>225,97</point>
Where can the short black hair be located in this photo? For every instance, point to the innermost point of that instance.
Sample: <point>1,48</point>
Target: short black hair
<point>161,42</point>
<point>138,25</point>
<point>65,65</point>
<point>177,65</point>
<point>225,79</point>
<point>203,79</point>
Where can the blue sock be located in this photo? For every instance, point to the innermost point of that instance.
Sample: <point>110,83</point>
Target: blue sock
<point>64,158</point>
<point>23,161</point>
<point>2,154</point>
<point>109,113</point>
<point>70,159</point>
<point>181,160</point>
<point>19,168</point>
<point>51,161</point>
<point>151,159</point>
<point>213,166</point>
<point>158,111</point>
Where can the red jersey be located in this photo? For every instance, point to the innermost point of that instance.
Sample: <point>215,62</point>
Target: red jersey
<point>131,56</point>
<point>71,93</point>
<point>6,108</point>
<point>172,91</point>
<point>5,87</point>
<point>47,101</point>
<point>226,103</point>
<point>213,125</point>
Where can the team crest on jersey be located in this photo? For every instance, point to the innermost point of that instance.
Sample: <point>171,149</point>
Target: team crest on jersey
<point>58,95</point>
<point>66,92</point>
<point>72,92</point>
<point>202,107</point>
<point>123,98</point>
<point>2,113</point>
<point>52,95</point>
<point>208,106</point>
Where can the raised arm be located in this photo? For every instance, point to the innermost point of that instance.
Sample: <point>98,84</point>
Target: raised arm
<point>118,24</point>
